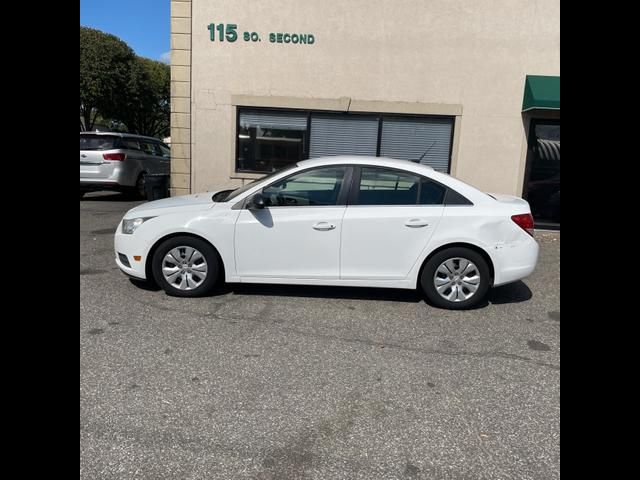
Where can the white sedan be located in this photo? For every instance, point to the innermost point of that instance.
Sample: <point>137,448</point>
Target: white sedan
<point>349,221</point>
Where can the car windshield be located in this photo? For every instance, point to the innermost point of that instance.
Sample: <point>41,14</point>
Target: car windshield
<point>250,185</point>
<point>97,142</point>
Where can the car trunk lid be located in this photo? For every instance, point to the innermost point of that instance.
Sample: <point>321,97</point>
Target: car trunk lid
<point>516,203</point>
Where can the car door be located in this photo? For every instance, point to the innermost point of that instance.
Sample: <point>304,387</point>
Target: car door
<point>391,216</point>
<point>297,234</point>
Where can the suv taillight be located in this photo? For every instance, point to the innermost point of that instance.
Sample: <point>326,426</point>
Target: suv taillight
<point>524,221</point>
<point>114,156</point>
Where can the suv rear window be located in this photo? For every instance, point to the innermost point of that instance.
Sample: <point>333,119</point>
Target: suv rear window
<point>97,142</point>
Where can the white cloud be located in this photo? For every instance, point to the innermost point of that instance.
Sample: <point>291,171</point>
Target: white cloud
<point>166,57</point>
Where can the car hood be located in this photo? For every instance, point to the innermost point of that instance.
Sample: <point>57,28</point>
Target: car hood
<point>197,201</point>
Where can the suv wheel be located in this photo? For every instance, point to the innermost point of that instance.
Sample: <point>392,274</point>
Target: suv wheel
<point>140,189</point>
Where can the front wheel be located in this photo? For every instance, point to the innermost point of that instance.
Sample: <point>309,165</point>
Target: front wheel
<point>456,278</point>
<point>186,266</point>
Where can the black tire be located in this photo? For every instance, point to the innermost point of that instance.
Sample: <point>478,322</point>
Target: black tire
<point>427,280</point>
<point>139,188</point>
<point>82,194</point>
<point>208,252</point>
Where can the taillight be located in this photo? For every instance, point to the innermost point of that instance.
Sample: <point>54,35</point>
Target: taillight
<point>524,221</point>
<point>114,156</point>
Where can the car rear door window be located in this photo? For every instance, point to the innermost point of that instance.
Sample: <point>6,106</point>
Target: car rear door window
<point>379,186</point>
<point>148,148</point>
<point>131,144</point>
<point>317,187</point>
<point>431,193</point>
<point>161,150</point>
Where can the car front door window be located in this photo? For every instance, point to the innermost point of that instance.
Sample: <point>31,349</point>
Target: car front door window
<point>318,187</point>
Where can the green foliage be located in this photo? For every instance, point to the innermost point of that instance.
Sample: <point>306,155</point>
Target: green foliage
<point>147,109</point>
<point>105,70</point>
<point>118,85</point>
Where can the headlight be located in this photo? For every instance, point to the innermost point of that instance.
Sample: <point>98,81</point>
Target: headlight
<point>129,225</point>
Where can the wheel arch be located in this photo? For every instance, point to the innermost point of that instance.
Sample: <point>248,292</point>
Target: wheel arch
<point>479,250</point>
<point>157,243</point>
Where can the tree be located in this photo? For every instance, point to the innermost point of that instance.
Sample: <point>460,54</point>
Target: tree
<point>147,109</point>
<point>105,73</point>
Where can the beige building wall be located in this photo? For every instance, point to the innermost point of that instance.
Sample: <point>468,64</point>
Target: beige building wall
<point>465,57</point>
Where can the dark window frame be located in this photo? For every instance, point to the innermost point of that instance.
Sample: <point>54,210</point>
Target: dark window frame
<point>306,144</point>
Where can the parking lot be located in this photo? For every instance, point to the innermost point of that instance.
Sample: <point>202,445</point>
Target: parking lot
<point>290,382</point>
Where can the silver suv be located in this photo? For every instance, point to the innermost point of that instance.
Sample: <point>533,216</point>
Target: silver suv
<point>119,161</point>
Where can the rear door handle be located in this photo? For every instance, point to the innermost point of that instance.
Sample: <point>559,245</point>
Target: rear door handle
<point>416,223</point>
<point>324,226</point>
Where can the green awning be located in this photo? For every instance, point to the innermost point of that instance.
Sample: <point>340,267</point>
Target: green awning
<point>541,92</point>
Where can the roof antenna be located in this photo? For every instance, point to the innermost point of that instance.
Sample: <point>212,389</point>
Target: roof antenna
<point>425,152</point>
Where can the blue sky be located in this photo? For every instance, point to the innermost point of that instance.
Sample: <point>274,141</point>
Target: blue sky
<point>143,24</point>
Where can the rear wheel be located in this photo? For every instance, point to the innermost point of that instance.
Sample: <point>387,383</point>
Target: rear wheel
<point>186,267</point>
<point>140,188</point>
<point>456,278</point>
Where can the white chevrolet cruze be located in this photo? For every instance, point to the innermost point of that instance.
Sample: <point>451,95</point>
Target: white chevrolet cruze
<point>350,221</point>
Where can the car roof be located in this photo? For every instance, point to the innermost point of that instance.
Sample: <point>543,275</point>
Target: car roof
<point>122,135</point>
<point>363,160</point>
<point>461,187</point>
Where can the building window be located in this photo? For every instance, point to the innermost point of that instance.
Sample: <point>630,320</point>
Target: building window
<point>424,139</point>
<point>270,139</point>
<point>343,134</point>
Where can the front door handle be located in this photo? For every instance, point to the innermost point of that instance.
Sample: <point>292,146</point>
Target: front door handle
<point>324,226</point>
<point>416,223</point>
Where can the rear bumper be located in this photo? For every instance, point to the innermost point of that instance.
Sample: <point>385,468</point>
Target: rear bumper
<point>515,261</point>
<point>114,175</point>
<point>130,246</point>
<point>100,185</point>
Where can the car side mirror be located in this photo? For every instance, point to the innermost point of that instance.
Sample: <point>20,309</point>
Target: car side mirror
<point>256,202</point>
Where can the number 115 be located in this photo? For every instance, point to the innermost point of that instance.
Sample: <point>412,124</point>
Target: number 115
<point>230,33</point>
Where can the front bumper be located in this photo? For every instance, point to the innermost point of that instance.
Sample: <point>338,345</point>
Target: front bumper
<point>131,246</point>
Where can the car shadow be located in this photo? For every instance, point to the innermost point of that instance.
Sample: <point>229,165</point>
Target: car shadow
<point>145,285</point>
<point>511,293</point>
<point>515,292</point>
<point>315,291</point>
